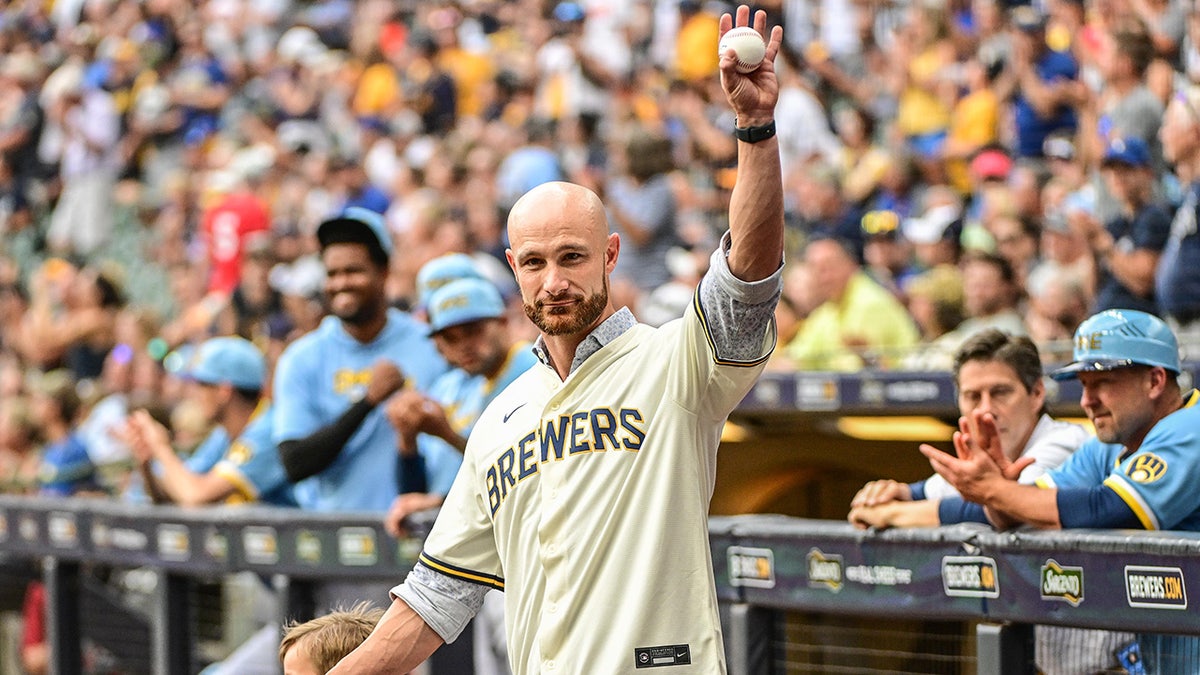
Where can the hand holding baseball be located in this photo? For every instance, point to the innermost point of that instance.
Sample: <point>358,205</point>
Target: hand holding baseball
<point>748,77</point>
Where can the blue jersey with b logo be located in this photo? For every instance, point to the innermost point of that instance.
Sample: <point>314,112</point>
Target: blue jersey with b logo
<point>1157,482</point>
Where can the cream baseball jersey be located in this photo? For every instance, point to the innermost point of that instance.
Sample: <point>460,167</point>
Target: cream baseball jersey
<point>586,501</point>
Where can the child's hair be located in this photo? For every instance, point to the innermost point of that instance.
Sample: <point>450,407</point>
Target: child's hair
<point>327,639</point>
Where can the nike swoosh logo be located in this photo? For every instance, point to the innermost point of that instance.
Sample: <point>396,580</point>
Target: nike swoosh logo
<point>510,413</point>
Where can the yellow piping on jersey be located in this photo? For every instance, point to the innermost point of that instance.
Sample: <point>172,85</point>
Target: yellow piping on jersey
<point>460,573</point>
<point>1190,400</point>
<point>712,343</point>
<point>242,487</point>
<point>1131,497</point>
<point>1193,399</point>
<point>1134,501</point>
<point>517,348</point>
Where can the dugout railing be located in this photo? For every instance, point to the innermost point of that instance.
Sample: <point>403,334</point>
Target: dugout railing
<point>767,567</point>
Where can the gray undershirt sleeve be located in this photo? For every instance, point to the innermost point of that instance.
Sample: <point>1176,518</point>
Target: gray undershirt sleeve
<point>446,604</point>
<point>738,313</point>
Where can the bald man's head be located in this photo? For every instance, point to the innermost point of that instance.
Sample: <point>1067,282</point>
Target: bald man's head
<point>562,253</point>
<point>565,204</point>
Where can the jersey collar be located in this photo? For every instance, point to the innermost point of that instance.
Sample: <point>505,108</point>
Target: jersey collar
<point>610,329</point>
<point>1192,398</point>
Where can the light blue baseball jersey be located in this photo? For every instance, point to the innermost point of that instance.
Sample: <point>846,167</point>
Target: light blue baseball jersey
<point>1157,482</point>
<point>322,374</point>
<point>464,396</point>
<point>209,452</point>
<point>201,461</point>
<point>252,463</point>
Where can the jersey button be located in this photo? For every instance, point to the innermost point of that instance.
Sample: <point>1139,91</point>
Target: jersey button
<point>551,608</point>
<point>550,665</point>
<point>552,549</point>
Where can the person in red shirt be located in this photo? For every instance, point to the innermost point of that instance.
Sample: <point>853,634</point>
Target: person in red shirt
<point>237,214</point>
<point>35,649</point>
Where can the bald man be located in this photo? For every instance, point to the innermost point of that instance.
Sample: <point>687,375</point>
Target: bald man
<point>584,490</point>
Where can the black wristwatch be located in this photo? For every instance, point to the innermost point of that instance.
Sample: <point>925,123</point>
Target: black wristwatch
<point>754,134</point>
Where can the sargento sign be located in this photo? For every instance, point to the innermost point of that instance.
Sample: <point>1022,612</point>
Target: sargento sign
<point>1062,582</point>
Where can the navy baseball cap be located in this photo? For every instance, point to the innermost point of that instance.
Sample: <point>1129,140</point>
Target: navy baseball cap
<point>443,270</point>
<point>356,225</point>
<point>463,301</point>
<point>1119,338</point>
<point>232,360</point>
<point>1127,151</point>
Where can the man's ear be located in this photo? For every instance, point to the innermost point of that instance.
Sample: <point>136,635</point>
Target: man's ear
<point>1038,392</point>
<point>1157,382</point>
<point>612,251</point>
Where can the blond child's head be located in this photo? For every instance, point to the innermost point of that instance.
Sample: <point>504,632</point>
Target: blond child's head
<point>314,647</point>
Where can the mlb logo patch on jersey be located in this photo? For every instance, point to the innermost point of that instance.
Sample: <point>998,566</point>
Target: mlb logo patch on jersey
<point>1146,468</point>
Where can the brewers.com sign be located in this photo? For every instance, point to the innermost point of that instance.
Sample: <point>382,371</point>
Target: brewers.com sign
<point>968,576</point>
<point>1155,587</point>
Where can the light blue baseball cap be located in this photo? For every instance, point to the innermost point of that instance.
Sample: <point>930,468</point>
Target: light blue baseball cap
<point>463,301</point>
<point>232,360</point>
<point>443,270</point>
<point>357,225</point>
<point>1119,338</point>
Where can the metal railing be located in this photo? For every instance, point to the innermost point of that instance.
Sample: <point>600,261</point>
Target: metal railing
<point>765,567</point>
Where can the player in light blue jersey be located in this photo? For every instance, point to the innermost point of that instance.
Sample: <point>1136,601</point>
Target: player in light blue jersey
<point>1134,473</point>
<point>209,451</point>
<point>328,383</point>
<point>1157,483</point>
<point>469,327</point>
<point>1138,472</point>
<point>225,379</point>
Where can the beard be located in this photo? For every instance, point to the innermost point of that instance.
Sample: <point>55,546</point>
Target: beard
<point>360,311</point>
<point>568,320</point>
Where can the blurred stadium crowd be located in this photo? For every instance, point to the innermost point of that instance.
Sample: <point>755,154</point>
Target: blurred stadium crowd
<point>949,165</point>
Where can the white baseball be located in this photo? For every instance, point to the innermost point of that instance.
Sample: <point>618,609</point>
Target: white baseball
<point>749,46</point>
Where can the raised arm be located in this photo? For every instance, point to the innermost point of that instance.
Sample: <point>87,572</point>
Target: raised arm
<point>756,206</point>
